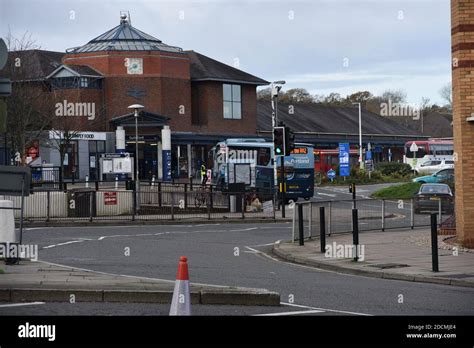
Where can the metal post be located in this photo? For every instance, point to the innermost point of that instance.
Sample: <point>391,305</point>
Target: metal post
<point>434,243</point>
<point>97,185</point>
<point>134,203</point>
<point>90,206</point>
<point>412,222</point>
<point>211,200</point>
<point>300,224</point>
<point>322,229</point>
<point>439,212</point>
<point>160,198</point>
<point>137,177</point>
<point>116,182</point>
<point>329,218</point>
<point>48,205</point>
<point>310,220</point>
<point>185,196</point>
<point>22,207</point>
<point>87,181</point>
<point>293,226</point>
<point>243,205</point>
<point>355,233</point>
<point>383,214</point>
<point>282,186</point>
<point>172,205</point>
<point>208,203</point>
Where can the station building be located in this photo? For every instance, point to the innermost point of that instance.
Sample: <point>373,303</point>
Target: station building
<point>202,100</point>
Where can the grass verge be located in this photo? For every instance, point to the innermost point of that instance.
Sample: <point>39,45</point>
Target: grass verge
<point>403,191</point>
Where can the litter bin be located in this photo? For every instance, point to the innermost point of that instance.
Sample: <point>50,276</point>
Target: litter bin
<point>81,202</point>
<point>8,236</point>
<point>236,190</point>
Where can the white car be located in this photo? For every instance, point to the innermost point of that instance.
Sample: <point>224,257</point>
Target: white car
<point>432,166</point>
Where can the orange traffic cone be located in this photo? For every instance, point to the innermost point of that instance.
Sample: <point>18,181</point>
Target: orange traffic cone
<point>181,303</point>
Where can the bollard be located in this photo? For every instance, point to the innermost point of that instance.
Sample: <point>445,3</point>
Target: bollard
<point>116,182</point>
<point>383,215</point>
<point>434,243</point>
<point>412,214</point>
<point>153,180</point>
<point>300,224</point>
<point>322,229</point>
<point>355,233</point>
<point>87,181</point>
<point>97,185</point>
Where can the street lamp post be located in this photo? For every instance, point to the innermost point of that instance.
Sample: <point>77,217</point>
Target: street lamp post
<point>361,162</point>
<point>136,109</point>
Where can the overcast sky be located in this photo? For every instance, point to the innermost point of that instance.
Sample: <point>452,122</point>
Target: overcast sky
<point>324,46</point>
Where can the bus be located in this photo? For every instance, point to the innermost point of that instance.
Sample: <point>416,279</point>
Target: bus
<point>248,161</point>
<point>428,150</point>
<point>299,172</point>
<point>326,159</point>
<point>251,161</point>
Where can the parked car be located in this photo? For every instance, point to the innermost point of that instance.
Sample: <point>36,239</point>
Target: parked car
<point>432,166</point>
<point>429,196</point>
<point>440,176</point>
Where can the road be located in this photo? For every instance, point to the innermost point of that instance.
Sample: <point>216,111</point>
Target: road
<point>235,255</point>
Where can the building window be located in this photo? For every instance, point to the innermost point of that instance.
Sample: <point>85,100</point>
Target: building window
<point>75,82</point>
<point>84,82</point>
<point>232,101</point>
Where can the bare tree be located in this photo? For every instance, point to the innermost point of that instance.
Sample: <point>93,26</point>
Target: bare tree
<point>446,92</point>
<point>264,94</point>
<point>297,95</point>
<point>27,101</point>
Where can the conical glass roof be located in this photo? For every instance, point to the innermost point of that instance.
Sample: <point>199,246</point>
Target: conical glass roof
<point>124,37</point>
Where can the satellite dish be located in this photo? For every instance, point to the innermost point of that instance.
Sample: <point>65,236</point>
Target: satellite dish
<point>3,54</point>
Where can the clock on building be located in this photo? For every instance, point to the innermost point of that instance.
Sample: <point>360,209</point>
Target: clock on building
<point>134,65</point>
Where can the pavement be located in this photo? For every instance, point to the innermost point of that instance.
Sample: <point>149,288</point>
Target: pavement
<point>398,255</point>
<point>41,281</point>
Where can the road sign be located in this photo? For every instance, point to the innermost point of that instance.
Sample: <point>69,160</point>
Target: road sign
<point>344,165</point>
<point>331,174</point>
<point>413,147</point>
<point>110,198</point>
<point>369,165</point>
<point>368,155</point>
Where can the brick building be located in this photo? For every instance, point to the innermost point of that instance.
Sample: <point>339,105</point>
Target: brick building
<point>200,99</point>
<point>462,31</point>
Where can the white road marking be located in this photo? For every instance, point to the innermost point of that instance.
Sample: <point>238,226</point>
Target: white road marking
<point>244,229</point>
<point>21,304</point>
<point>289,313</point>
<point>324,309</point>
<point>326,194</point>
<point>60,244</point>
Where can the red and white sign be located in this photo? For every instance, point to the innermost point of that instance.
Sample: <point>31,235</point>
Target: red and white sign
<point>110,198</point>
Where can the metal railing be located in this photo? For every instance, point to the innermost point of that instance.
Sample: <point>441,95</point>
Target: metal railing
<point>373,215</point>
<point>151,202</point>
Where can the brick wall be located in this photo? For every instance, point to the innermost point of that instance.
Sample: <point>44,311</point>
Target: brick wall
<point>208,102</point>
<point>462,23</point>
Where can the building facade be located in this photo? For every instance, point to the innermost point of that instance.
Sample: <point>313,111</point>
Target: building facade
<point>200,99</point>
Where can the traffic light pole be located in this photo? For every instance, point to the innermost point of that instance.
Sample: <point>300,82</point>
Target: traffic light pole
<point>282,186</point>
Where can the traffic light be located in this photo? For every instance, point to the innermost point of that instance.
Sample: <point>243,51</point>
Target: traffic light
<point>279,141</point>
<point>289,140</point>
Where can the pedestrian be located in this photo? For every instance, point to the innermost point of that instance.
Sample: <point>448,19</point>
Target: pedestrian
<point>203,174</point>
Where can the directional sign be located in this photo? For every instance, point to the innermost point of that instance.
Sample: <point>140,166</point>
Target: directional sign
<point>413,147</point>
<point>331,174</point>
<point>344,167</point>
<point>368,155</point>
